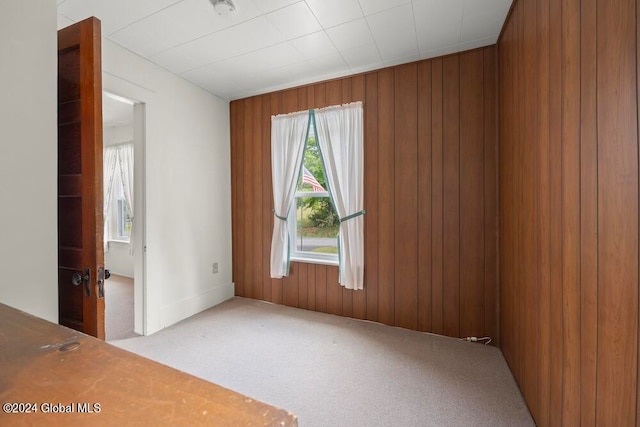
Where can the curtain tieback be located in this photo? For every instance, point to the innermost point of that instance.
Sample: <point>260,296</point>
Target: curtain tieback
<point>282,218</point>
<point>353,215</point>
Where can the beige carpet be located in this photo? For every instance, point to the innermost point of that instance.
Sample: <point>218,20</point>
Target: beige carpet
<point>118,310</point>
<point>335,371</point>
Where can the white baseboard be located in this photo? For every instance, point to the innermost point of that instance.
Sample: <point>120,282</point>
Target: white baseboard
<point>181,310</point>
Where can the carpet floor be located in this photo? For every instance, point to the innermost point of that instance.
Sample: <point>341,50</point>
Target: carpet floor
<point>331,370</point>
<point>118,310</point>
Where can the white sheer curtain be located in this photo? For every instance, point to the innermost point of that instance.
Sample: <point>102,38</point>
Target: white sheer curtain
<point>288,136</point>
<point>339,135</point>
<point>125,159</point>
<point>109,168</point>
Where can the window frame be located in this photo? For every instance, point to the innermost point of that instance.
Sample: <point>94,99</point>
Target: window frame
<point>292,223</point>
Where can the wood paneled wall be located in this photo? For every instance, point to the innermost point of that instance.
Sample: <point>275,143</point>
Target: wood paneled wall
<point>430,195</point>
<point>569,208</point>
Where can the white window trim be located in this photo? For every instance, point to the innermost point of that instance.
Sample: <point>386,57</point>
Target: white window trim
<point>292,221</point>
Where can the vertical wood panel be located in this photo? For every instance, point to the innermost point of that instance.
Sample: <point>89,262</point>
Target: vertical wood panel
<point>530,267</point>
<point>490,196</point>
<point>405,195</point>
<point>386,259</point>
<point>588,213</point>
<point>617,213</point>
<point>544,338</point>
<point>371,195</point>
<point>424,196</point>
<point>234,107</point>
<point>311,286</point>
<point>267,197</point>
<point>290,295</point>
<point>579,292</point>
<point>240,259</point>
<point>471,194</point>
<point>437,193</point>
<point>257,196</point>
<point>451,202</point>
<point>248,220</point>
<point>303,297</point>
<point>321,288</point>
<point>555,193</point>
<point>571,210</point>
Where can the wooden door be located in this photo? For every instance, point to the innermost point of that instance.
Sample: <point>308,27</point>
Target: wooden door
<point>80,222</point>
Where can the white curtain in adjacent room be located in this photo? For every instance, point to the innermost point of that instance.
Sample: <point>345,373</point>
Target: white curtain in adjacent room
<point>288,136</point>
<point>110,159</point>
<point>340,138</point>
<point>125,160</point>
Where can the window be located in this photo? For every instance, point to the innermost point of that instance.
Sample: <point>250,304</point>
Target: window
<point>312,220</point>
<point>302,206</point>
<point>124,220</point>
<point>122,224</point>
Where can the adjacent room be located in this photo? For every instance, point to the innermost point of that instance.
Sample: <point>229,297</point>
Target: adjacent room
<point>365,212</point>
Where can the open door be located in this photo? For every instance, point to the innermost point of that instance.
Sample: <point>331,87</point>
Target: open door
<point>81,272</point>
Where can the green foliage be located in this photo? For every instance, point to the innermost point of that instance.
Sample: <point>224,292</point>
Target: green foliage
<point>321,213</point>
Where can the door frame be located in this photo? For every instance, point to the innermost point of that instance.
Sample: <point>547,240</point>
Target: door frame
<point>139,207</point>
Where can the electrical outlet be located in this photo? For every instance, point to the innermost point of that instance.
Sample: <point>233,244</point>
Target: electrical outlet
<point>214,268</point>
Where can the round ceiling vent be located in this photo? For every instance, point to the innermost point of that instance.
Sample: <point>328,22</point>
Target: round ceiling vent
<point>223,7</point>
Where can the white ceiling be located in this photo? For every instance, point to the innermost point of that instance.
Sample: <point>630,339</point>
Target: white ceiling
<point>274,44</point>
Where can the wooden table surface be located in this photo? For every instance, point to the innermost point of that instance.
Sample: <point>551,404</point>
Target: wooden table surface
<point>49,370</point>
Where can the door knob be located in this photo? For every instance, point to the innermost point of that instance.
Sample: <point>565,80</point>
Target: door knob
<point>107,274</point>
<point>78,278</point>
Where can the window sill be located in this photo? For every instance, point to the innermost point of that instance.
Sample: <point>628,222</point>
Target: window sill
<point>122,242</point>
<point>311,260</point>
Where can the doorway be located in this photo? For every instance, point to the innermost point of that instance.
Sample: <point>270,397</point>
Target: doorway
<point>123,119</point>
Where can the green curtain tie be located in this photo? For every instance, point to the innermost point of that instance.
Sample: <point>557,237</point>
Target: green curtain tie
<point>354,215</point>
<point>283,218</point>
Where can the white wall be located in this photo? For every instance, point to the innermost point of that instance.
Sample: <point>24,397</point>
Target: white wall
<point>113,135</point>
<point>28,165</point>
<point>188,187</point>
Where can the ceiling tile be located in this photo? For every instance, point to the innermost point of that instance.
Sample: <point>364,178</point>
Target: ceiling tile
<point>168,28</point>
<point>178,59</point>
<point>268,58</point>
<point>484,6</point>
<point>438,36</point>
<point>362,56</point>
<point>428,12</point>
<point>314,45</point>
<point>295,20</point>
<point>394,32</point>
<point>352,34</point>
<point>374,6</point>
<point>63,21</point>
<point>332,63</point>
<point>397,60</point>
<point>234,41</point>
<point>114,14</point>
<point>488,41</point>
<point>480,26</point>
<point>267,6</point>
<point>439,52</point>
<point>219,74</point>
<point>335,12</point>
